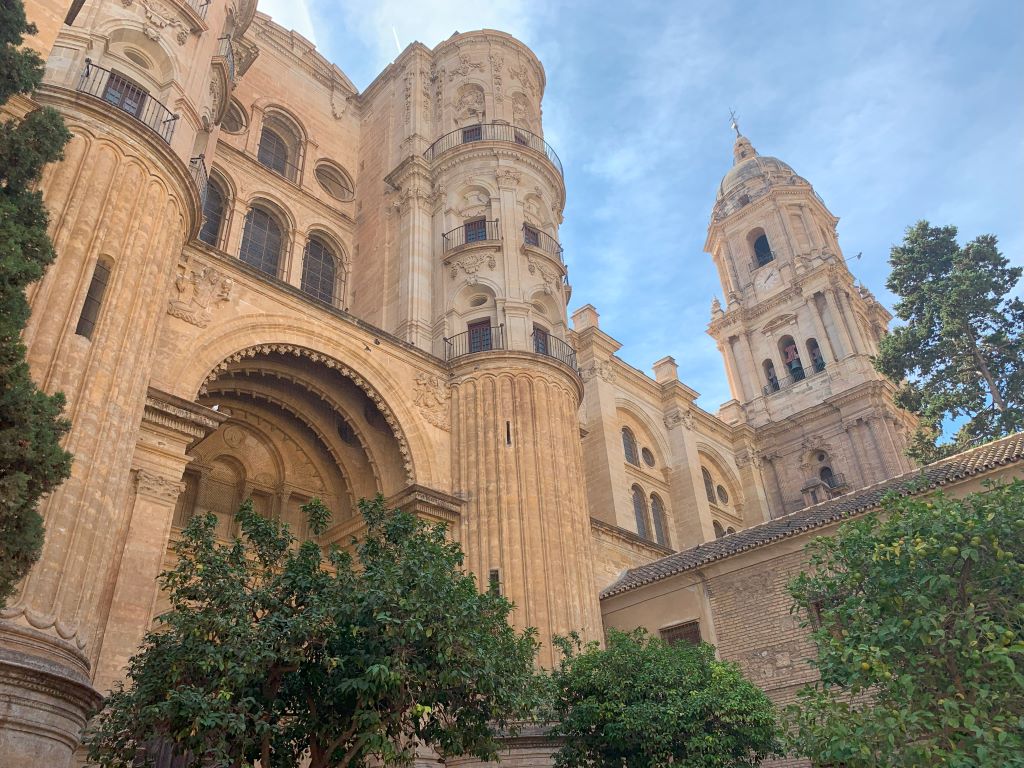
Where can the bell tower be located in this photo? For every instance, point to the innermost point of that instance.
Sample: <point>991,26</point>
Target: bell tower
<point>797,335</point>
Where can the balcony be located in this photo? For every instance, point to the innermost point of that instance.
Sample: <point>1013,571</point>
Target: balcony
<point>493,132</point>
<point>776,385</point>
<point>479,231</point>
<point>552,346</point>
<point>197,170</point>
<point>199,6</point>
<point>121,93</point>
<point>834,480</point>
<point>536,238</point>
<point>481,338</point>
<point>227,53</point>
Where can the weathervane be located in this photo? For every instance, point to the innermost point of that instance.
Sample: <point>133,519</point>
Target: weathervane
<point>735,125</point>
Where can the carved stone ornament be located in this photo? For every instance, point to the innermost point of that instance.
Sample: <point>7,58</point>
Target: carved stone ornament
<point>431,395</point>
<point>552,278</point>
<point>676,417</point>
<point>159,17</point>
<point>604,369</point>
<point>471,263</point>
<point>466,65</point>
<point>508,177</point>
<point>157,487</point>
<point>496,77</point>
<point>198,292</point>
<point>777,322</point>
<point>520,74</point>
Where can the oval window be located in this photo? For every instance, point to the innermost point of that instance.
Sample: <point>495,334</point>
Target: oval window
<point>334,181</point>
<point>723,495</point>
<point>234,121</point>
<point>648,457</point>
<point>478,301</point>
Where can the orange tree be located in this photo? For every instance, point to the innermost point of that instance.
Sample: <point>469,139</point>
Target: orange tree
<point>918,619</point>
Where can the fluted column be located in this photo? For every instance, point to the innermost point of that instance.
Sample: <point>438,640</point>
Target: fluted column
<point>518,462</point>
<point>128,201</point>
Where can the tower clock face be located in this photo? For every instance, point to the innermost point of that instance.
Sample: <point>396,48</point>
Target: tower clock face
<point>769,280</point>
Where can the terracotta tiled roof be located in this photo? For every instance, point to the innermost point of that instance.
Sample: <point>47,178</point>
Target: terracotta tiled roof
<point>976,461</point>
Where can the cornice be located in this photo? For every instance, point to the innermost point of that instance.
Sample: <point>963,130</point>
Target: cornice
<point>503,150</point>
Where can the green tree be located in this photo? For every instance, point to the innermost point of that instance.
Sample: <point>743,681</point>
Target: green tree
<point>960,352</point>
<point>918,619</point>
<point>32,461</point>
<point>271,651</point>
<point>641,703</point>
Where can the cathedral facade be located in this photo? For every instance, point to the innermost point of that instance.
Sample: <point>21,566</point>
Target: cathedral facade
<point>270,285</point>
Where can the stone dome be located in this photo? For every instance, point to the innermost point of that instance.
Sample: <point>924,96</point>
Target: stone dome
<point>747,165</point>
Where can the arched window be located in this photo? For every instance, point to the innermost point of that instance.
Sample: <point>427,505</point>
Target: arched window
<point>640,512</point>
<point>213,213</point>
<point>279,146</point>
<point>658,516</point>
<point>319,269</point>
<point>729,531</point>
<point>791,356</point>
<point>827,476</point>
<point>709,485</point>
<point>814,351</point>
<point>262,242</point>
<point>719,530</point>
<point>762,250</point>
<point>629,447</point>
<point>770,376</point>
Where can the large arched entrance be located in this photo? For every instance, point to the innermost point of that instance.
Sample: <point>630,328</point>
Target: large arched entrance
<point>298,426</point>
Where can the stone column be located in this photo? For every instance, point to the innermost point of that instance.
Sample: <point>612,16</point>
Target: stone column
<point>415,251</point>
<point>518,463</point>
<point>823,340</point>
<point>837,321</point>
<point>170,426</point>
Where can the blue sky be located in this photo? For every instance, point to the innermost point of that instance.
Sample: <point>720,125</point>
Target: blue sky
<point>894,111</point>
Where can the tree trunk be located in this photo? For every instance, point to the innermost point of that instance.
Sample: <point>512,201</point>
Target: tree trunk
<point>997,397</point>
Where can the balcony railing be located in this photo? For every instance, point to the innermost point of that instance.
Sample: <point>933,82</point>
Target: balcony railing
<point>227,53</point>
<point>787,381</point>
<point>199,6</point>
<point>552,346</point>
<point>197,169</point>
<point>480,339</point>
<point>492,132</point>
<point>123,94</point>
<point>471,232</point>
<point>540,239</point>
<point>835,480</point>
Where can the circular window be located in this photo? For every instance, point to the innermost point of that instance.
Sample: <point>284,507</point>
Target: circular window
<point>334,181</point>
<point>648,457</point>
<point>234,121</point>
<point>346,433</point>
<point>723,495</point>
<point>478,301</point>
<point>821,457</point>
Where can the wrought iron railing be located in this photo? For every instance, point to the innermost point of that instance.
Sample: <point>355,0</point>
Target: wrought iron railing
<point>540,239</point>
<point>493,132</point>
<point>227,53</point>
<point>480,339</point>
<point>197,168</point>
<point>552,346</point>
<point>121,93</point>
<point>199,6</point>
<point>471,232</point>
<point>835,480</point>
<point>786,381</point>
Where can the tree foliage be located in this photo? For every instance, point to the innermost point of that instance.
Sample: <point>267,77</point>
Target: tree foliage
<point>643,703</point>
<point>271,651</point>
<point>919,628</point>
<point>960,351</point>
<point>32,461</point>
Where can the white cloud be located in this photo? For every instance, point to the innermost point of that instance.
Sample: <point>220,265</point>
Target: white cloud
<point>291,14</point>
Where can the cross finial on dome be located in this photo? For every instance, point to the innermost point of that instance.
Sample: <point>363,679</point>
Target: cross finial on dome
<point>735,123</point>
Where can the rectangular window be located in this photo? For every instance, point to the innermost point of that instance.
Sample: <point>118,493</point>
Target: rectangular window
<point>494,582</point>
<point>473,133</point>
<point>124,94</point>
<point>687,632</point>
<point>476,231</point>
<point>540,340</point>
<point>531,236</point>
<point>93,300</point>
<point>480,336</point>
